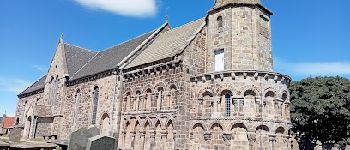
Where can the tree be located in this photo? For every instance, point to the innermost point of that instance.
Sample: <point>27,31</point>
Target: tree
<point>320,109</point>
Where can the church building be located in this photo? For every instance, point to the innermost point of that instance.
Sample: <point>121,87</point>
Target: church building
<point>206,85</point>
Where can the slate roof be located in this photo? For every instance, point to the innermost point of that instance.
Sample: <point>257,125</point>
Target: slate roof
<point>109,59</point>
<point>76,57</point>
<point>9,122</point>
<point>40,84</point>
<point>168,44</point>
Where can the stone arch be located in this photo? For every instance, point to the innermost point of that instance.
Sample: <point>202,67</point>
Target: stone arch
<point>128,90</point>
<point>262,137</point>
<point>105,124</point>
<point>280,130</point>
<point>240,136</point>
<point>197,136</point>
<point>249,88</point>
<point>205,91</point>
<point>216,125</point>
<point>263,127</point>
<point>160,85</point>
<point>239,125</point>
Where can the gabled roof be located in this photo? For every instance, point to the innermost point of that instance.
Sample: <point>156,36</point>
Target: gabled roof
<point>76,57</point>
<point>109,59</point>
<point>167,44</point>
<point>40,84</point>
<point>9,122</point>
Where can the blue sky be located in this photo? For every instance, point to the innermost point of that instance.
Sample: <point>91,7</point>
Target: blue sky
<point>310,37</point>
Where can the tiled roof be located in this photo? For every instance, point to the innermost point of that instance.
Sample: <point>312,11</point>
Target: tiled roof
<point>168,44</point>
<point>110,58</point>
<point>9,122</point>
<point>36,86</point>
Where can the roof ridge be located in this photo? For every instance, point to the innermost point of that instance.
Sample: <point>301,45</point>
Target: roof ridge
<point>89,50</point>
<point>86,64</point>
<point>181,26</point>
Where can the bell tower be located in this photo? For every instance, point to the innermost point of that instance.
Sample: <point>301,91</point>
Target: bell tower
<point>239,36</point>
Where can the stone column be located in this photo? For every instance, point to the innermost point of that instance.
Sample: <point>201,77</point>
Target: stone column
<point>272,139</point>
<point>127,108</point>
<point>159,101</point>
<point>216,112</point>
<point>142,139</point>
<point>152,140</point>
<point>163,145</point>
<point>252,140</point>
<point>132,140</point>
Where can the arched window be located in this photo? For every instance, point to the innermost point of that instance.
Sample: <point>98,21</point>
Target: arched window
<point>228,105</point>
<point>220,23</point>
<point>226,99</point>
<point>95,103</point>
<point>148,99</point>
<point>160,98</point>
<point>76,107</point>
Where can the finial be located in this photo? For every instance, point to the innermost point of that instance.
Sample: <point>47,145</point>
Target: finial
<point>167,18</point>
<point>61,38</point>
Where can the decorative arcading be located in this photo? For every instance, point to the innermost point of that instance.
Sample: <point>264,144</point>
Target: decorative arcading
<point>243,73</point>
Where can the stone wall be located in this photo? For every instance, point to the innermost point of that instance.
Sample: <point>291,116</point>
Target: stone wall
<point>245,37</point>
<point>150,108</point>
<point>241,109</point>
<point>107,91</point>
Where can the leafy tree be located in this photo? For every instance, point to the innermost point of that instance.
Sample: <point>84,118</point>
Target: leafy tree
<point>320,109</point>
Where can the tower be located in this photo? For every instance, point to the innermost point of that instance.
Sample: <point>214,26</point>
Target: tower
<point>239,36</point>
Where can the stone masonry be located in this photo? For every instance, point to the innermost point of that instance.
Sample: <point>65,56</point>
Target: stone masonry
<point>206,85</point>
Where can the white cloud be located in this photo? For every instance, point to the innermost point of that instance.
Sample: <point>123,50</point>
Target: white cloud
<point>137,8</point>
<point>13,85</point>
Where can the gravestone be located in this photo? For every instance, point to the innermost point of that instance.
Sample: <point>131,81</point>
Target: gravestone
<point>100,142</point>
<point>347,147</point>
<point>318,145</point>
<point>15,135</point>
<point>336,147</point>
<point>80,138</point>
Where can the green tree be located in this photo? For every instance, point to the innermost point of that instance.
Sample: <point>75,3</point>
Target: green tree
<point>320,109</point>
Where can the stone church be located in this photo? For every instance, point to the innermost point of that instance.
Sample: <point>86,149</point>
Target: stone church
<point>208,84</point>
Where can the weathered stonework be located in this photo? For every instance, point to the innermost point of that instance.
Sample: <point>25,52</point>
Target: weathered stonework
<point>166,92</point>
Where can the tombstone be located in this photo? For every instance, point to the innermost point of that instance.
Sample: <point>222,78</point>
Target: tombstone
<point>100,142</point>
<point>15,135</point>
<point>336,147</point>
<point>80,138</point>
<point>347,147</point>
<point>318,146</point>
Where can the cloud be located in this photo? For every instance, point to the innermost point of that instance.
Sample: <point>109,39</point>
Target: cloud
<point>13,85</point>
<point>136,8</point>
<point>307,69</point>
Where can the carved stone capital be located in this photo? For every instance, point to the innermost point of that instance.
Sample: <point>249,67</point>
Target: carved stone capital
<point>207,136</point>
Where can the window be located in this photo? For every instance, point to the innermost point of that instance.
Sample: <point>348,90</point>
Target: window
<point>219,60</point>
<point>95,104</point>
<point>220,23</point>
<point>228,105</point>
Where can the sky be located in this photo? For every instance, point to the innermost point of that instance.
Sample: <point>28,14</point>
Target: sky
<point>310,37</point>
